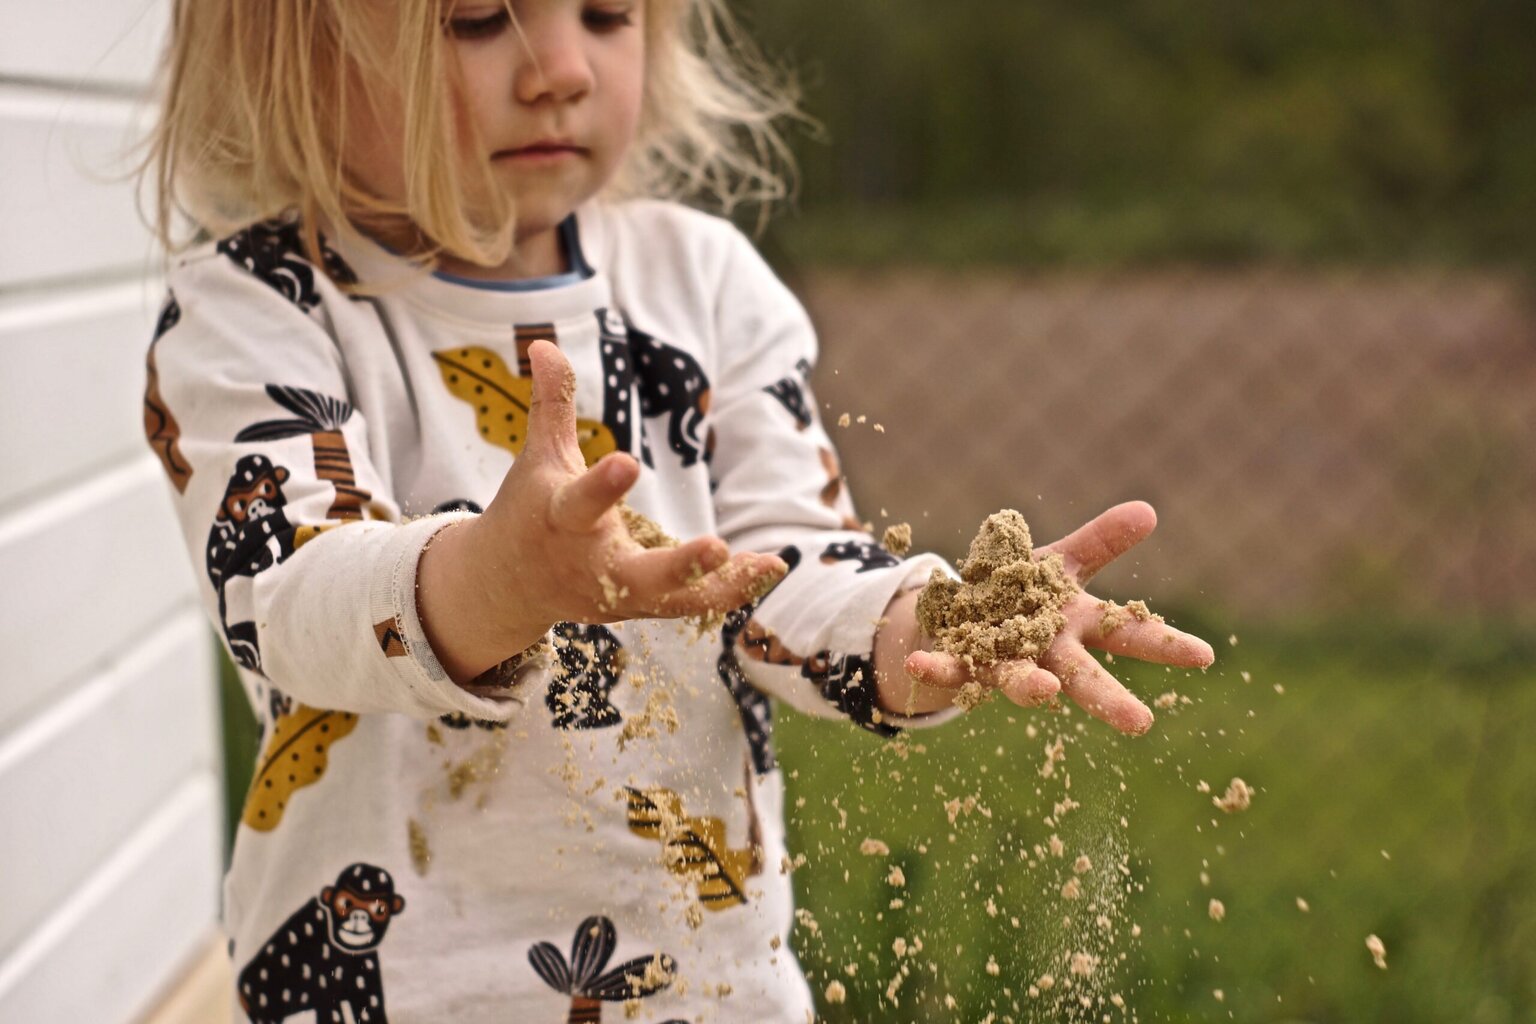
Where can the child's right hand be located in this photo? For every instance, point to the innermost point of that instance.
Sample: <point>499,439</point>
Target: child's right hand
<point>552,547</point>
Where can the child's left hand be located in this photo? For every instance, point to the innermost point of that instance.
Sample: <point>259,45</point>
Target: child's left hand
<point>1067,665</point>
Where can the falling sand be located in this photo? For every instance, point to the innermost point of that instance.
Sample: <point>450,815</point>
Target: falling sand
<point>1238,797</point>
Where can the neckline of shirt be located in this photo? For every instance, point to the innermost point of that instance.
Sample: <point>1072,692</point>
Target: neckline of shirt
<point>569,235</point>
<point>566,296</point>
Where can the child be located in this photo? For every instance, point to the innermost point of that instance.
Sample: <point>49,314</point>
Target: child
<point>442,335</point>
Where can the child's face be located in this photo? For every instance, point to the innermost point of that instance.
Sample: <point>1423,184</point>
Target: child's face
<point>556,96</point>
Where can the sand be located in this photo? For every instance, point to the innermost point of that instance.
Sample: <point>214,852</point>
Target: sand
<point>421,850</point>
<point>644,530</point>
<point>1377,949</point>
<point>1006,606</point>
<point>1238,797</point>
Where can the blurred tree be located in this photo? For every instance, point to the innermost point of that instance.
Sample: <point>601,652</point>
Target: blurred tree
<point>1188,129</point>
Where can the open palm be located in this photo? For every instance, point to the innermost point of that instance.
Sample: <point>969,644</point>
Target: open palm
<point>1067,666</point>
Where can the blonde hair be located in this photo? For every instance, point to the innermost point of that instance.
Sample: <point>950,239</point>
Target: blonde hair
<point>259,94</point>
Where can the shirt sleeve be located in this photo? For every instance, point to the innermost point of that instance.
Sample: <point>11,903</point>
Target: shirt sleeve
<point>304,563</point>
<point>778,487</point>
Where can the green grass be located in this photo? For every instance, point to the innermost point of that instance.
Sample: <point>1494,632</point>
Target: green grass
<point>1403,738</point>
<point>1373,747</point>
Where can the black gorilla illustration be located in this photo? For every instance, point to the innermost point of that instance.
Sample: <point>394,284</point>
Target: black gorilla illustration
<point>589,669</point>
<point>249,534</point>
<point>619,414</point>
<point>793,394</point>
<point>869,556</point>
<point>669,383</point>
<point>274,252</point>
<point>847,681</point>
<point>324,958</point>
<point>754,707</point>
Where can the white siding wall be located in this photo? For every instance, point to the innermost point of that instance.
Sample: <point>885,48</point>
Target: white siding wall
<point>109,767</point>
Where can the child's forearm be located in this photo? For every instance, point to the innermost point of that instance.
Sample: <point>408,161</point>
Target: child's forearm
<point>898,636</point>
<point>453,588</point>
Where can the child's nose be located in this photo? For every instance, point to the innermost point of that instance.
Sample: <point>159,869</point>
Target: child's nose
<point>554,66</point>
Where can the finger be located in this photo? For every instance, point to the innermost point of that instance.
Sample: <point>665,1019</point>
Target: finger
<point>651,574</point>
<point>578,504</point>
<point>1096,691</point>
<point>739,581</point>
<point>934,668</point>
<point>1025,683</point>
<point>552,411</point>
<point>1022,682</point>
<point>1103,539</point>
<point>1153,641</point>
<point>949,672</point>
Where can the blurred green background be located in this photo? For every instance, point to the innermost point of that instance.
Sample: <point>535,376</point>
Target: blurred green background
<point>1131,130</point>
<point>1266,265</point>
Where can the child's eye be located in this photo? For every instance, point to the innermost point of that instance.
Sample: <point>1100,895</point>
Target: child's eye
<point>480,26</point>
<point>608,19</point>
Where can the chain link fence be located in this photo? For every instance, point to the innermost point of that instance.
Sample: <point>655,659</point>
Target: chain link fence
<point>1314,441</point>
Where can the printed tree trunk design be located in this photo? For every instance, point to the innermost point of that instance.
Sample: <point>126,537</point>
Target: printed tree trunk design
<point>591,947</point>
<point>321,417</point>
<point>695,848</point>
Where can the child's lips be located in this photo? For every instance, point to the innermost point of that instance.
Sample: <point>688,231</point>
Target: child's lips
<point>550,151</point>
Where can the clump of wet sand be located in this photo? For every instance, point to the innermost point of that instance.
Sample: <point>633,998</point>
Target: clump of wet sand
<point>897,539</point>
<point>1006,606</point>
<point>643,530</point>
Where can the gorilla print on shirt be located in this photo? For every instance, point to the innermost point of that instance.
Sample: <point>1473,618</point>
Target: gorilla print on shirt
<point>250,533</point>
<point>324,959</point>
<point>273,251</point>
<point>669,382</point>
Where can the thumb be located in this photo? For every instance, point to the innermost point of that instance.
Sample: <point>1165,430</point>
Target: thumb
<point>552,411</point>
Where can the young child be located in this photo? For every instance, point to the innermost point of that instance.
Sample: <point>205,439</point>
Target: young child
<point>424,405</point>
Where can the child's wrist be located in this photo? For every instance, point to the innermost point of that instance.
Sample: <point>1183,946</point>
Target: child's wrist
<point>898,636</point>
<point>463,604</point>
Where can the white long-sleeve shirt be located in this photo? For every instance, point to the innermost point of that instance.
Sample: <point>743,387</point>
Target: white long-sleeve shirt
<point>611,827</point>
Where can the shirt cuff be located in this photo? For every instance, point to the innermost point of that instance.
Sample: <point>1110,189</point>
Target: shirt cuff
<point>398,629</point>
